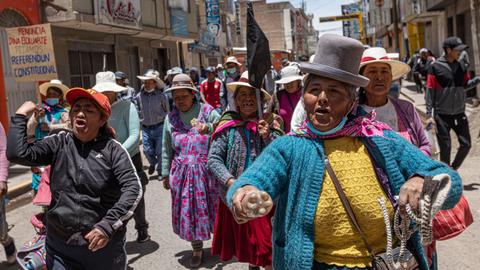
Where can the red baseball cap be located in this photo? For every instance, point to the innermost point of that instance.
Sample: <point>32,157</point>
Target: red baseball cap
<point>102,101</point>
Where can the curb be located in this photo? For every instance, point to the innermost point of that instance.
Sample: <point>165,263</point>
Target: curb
<point>19,189</point>
<point>420,111</point>
<point>407,96</point>
<point>19,195</point>
<point>19,201</point>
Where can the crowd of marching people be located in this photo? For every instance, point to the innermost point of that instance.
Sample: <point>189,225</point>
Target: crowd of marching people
<point>307,173</point>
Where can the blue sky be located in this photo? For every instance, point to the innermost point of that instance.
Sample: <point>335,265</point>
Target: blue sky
<point>321,8</point>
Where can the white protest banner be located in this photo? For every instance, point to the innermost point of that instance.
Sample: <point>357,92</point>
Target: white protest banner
<point>31,53</point>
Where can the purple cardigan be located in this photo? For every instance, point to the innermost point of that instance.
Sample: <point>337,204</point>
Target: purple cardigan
<point>409,116</point>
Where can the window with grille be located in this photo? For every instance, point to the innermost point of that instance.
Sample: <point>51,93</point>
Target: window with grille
<point>84,66</point>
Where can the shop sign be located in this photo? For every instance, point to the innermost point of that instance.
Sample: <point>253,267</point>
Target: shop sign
<point>121,13</point>
<point>207,37</point>
<point>213,16</point>
<point>31,53</point>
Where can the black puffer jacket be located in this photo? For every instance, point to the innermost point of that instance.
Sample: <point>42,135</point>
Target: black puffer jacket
<point>446,84</point>
<point>93,184</point>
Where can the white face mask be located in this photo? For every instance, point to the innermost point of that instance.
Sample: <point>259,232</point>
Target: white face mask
<point>149,90</point>
<point>232,71</point>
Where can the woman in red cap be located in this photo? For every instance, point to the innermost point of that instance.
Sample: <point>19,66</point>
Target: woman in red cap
<point>94,185</point>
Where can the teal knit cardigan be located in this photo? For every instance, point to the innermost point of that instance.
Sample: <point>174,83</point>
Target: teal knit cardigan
<point>291,170</point>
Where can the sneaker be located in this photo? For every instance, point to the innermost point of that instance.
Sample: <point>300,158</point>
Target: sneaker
<point>142,236</point>
<point>151,169</point>
<point>11,252</point>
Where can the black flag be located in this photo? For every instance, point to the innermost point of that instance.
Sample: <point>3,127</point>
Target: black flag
<point>258,50</point>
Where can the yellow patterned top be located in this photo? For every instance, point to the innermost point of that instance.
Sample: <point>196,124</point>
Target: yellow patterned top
<point>336,240</point>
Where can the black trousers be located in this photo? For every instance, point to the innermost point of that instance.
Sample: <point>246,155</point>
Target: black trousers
<point>139,214</point>
<point>459,124</point>
<point>61,256</point>
<point>418,82</point>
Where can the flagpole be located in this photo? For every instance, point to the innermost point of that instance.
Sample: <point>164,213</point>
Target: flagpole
<point>257,47</point>
<point>259,104</point>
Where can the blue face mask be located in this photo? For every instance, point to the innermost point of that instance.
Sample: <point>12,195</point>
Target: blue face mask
<point>52,101</point>
<point>328,132</point>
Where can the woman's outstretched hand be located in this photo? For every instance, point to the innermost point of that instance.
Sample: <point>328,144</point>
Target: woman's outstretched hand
<point>250,203</point>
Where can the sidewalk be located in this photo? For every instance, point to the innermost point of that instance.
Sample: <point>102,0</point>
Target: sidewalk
<point>19,180</point>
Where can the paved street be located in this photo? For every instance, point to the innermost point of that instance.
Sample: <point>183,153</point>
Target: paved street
<point>167,251</point>
<point>164,251</point>
<point>180,70</point>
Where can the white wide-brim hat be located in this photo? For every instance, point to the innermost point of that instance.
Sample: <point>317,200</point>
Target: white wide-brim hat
<point>243,81</point>
<point>43,88</point>
<point>380,55</point>
<point>152,75</point>
<point>289,74</point>
<point>105,81</point>
<point>233,59</point>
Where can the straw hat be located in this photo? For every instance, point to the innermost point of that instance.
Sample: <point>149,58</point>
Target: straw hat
<point>53,84</point>
<point>182,81</point>
<point>152,74</point>
<point>106,81</point>
<point>379,55</point>
<point>337,58</point>
<point>243,81</point>
<point>289,74</point>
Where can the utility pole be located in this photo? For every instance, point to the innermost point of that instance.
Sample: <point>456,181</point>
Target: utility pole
<point>474,5</point>
<point>348,17</point>
<point>395,26</point>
